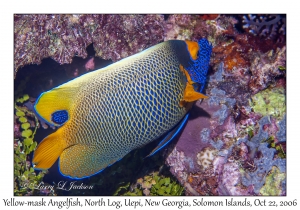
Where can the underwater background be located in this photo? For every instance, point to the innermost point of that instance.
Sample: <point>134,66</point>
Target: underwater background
<point>234,142</point>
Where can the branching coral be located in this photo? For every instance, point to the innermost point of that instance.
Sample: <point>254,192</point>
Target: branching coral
<point>265,25</point>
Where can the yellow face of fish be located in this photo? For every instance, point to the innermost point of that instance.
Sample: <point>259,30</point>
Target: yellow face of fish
<point>107,113</point>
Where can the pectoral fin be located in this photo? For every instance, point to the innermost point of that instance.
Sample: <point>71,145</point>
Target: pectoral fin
<point>48,151</point>
<point>189,94</point>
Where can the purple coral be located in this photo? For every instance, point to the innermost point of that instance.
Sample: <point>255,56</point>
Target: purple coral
<point>265,25</point>
<point>62,37</point>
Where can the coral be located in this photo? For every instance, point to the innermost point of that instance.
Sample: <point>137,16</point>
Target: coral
<point>270,101</point>
<point>265,68</point>
<point>214,29</point>
<point>209,16</point>
<point>273,183</point>
<point>231,181</point>
<point>233,52</point>
<point>281,134</point>
<point>177,161</point>
<point>238,52</point>
<point>205,157</point>
<point>195,27</point>
<point>227,122</point>
<point>265,25</point>
<point>179,27</point>
<point>264,160</point>
<point>62,37</point>
<point>245,143</point>
<point>279,146</point>
<point>202,183</point>
<point>152,184</point>
<point>249,162</point>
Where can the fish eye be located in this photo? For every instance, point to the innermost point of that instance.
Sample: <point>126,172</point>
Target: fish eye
<point>59,117</point>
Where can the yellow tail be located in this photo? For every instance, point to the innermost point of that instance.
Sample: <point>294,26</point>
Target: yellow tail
<point>48,151</point>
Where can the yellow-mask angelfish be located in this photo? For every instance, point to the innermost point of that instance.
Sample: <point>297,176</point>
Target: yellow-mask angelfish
<point>105,114</point>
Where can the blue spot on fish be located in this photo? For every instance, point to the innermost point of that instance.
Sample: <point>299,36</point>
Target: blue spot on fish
<point>60,117</point>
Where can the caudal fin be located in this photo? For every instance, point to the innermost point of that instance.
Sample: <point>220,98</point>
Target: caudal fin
<point>48,151</point>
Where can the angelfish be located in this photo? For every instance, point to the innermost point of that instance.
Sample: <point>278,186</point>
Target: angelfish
<point>105,114</point>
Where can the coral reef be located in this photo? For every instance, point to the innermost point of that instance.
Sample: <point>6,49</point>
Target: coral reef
<point>242,151</point>
<point>62,37</point>
<point>266,68</point>
<point>270,101</point>
<point>195,27</point>
<point>243,121</point>
<point>153,184</point>
<point>234,142</point>
<point>179,27</point>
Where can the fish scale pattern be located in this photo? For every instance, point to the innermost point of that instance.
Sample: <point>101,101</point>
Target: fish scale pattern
<point>122,108</point>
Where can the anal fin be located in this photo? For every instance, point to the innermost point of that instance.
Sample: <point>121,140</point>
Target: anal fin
<point>170,136</point>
